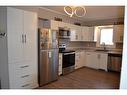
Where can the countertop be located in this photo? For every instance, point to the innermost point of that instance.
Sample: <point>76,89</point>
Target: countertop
<point>94,49</point>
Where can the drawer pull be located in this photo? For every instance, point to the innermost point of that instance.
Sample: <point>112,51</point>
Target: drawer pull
<point>24,66</point>
<point>25,85</point>
<point>25,76</point>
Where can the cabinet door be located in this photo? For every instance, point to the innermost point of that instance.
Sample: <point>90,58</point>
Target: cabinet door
<point>30,37</point>
<point>77,61</point>
<point>103,58</point>
<point>54,25</point>
<point>79,33</point>
<point>73,33</point>
<point>85,33</point>
<point>82,58</point>
<point>90,33</point>
<point>14,34</point>
<point>91,63</point>
<point>118,33</point>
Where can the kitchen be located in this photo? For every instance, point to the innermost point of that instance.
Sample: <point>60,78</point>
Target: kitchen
<point>82,42</point>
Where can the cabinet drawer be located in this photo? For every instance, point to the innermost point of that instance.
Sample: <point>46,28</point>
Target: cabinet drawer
<point>21,76</point>
<point>20,69</point>
<point>24,81</point>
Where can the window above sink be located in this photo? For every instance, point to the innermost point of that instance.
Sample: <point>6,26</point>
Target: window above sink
<point>104,36</point>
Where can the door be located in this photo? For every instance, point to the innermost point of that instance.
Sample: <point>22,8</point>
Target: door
<point>30,36</point>
<point>14,35</point>
<point>48,66</point>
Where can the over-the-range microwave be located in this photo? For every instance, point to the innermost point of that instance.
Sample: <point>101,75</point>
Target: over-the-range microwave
<point>64,33</point>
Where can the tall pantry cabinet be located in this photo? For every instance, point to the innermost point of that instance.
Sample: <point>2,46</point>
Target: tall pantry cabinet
<point>21,40</point>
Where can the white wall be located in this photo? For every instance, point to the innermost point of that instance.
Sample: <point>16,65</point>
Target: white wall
<point>123,81</point>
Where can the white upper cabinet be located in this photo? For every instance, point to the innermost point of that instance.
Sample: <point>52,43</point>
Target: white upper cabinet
<point>54,25</point>
<point>91,34</point>
<point>30,36</point>
<point>118,33</point>
<point>79,33</point>
<point>87,33</point>
<point>76,33</point>
<point>15,35</point>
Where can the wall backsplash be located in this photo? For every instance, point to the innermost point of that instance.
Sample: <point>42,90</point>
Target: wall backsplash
<point>84,44</point>
<point>77,44</point>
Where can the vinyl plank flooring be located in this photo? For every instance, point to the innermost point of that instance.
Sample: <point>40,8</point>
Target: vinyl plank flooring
<point>86,78</point>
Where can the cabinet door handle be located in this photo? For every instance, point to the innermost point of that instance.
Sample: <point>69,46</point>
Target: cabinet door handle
<point>25,85</point>
<point>24,66</point>
<point>22,38</point>
<point>25,76</point>
<point>25,38</point>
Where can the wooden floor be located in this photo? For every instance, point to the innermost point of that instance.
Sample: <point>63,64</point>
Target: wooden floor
<point>86,78</point>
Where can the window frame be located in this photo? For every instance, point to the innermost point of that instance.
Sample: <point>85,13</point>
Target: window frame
<point>99,36</point>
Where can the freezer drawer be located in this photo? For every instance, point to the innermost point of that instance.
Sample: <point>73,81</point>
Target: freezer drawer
<point>48,66</point>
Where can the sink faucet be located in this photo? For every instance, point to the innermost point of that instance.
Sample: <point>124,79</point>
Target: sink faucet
<point>104,46</point>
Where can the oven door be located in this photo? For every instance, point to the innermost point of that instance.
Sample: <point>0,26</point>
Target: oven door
<point>68,59</point>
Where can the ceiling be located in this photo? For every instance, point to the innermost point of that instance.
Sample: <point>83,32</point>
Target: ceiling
<point>94,12</point>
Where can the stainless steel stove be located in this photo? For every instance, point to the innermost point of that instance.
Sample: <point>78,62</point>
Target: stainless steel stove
<point>68,62</point>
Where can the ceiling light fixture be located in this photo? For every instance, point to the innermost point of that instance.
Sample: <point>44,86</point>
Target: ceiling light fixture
<point>79,11</point>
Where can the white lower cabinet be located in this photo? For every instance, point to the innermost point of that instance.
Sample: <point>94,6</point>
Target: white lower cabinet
<point>60,63</point>
<point>96,60</point>
<point>91,60</point>
<point>102,60</point>
<point>22,75</point>
<point>79,59</point>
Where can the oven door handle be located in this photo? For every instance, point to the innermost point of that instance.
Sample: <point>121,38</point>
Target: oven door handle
<point>69,53</point>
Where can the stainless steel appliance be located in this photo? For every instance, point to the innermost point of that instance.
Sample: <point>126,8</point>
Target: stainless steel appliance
<point>48,55</point>
<point>68,62</point>
<point>68,59</point>
<point>114,62</point>
<point>64,33</point>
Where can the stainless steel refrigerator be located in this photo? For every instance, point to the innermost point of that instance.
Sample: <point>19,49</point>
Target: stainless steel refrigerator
<point>48,55</point>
